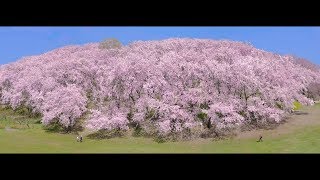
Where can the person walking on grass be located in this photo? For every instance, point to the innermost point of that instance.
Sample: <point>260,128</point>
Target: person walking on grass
<point>79,138</point>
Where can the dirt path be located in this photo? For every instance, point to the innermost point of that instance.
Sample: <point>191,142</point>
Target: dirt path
<point>9,129</point>
<point>307,116</point>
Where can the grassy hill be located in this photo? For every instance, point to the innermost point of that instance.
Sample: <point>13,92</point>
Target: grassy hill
<point>299,135</point>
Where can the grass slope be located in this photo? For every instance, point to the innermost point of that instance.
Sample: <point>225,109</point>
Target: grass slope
<point>299,135</point>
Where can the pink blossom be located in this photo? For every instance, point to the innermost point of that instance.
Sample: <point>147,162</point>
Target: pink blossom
<point>172,80</point>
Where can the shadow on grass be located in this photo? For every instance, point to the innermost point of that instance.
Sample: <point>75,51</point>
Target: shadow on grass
<point>57,128</point>
<point>300,113</point>
<point>105,134</point>
<point>262,125</point>
<point>53,128</point>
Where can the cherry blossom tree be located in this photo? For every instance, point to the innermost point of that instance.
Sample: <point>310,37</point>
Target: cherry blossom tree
<point>163,86</point>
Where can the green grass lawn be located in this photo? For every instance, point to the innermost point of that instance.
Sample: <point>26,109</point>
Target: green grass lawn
<point>34,139</point>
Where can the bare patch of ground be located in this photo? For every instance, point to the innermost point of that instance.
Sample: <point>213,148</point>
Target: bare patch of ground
<point>10,129</point>
<point>307,116</point>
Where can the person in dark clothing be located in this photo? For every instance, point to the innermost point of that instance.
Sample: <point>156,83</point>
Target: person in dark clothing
<point>260,139</point>
<point>80,138</point>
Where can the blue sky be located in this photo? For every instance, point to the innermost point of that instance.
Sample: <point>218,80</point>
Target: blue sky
<point>16,42</point>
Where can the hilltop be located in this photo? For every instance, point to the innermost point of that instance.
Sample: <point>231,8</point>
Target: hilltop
<point>169,89</point>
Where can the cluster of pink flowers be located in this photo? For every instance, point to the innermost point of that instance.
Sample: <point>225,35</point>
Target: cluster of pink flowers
<point>98,121</point>
<point>171,80</point>
<point>65,104</point>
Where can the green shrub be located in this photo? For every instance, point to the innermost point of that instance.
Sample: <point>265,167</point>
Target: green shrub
<point>110,44</point>
<point>138,131</point>
<point>22,111</point>
<point>297,105</point>
<point>202,116</point>
<point>26,111</point>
